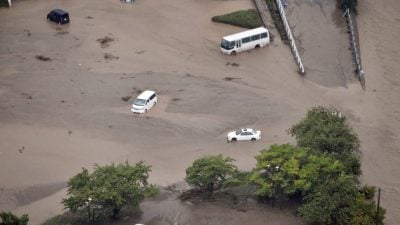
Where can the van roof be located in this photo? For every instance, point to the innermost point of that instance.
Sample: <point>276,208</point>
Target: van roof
<point>146,94</point>
<point>246,33</point>
<point>59,11</point>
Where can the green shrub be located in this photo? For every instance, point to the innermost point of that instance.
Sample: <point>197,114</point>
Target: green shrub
<point>4,3</point>
<point>351,4</point>
<point>242,18</point>
<point>368,191</point>
<point>7,218</point>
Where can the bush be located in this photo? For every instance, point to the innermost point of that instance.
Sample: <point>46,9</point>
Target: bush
<point>211,173</point>
<point>108,189</point>
<point>368,191</point>
<point>326,131</point>
<point>243,18</point>
<point>7,218</point>
<point>351,4</point>
<point>4,3</point>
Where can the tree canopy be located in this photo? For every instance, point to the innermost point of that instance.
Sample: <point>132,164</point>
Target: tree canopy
<point>7,218</point>
<point>339,201</point>
<point>109,188</point>
<point>326,131</point>
<point>285,170</point>
<point>211,173</point>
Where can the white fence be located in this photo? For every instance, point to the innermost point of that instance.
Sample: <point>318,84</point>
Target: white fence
<point>355,47</point>
<point>290,37</point>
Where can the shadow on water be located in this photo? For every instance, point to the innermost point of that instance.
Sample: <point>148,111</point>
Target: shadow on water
<point>168,209</point>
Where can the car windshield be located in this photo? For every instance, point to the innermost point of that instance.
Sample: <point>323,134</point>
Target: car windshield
<point>227,45</point>
<point>139,102</point>
<point>238,132</point>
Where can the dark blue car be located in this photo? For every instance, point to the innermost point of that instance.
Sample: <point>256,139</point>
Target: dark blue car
<point>58,16</point>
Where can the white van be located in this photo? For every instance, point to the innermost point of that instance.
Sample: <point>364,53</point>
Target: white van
<point>144,102</point>
<point>246,40</point>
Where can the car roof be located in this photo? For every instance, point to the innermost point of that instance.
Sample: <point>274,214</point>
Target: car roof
<point>247,129</point>
<point>146,94</point>
<point>59,11</point>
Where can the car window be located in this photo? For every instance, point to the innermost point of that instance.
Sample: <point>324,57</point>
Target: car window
<point>139,102</point>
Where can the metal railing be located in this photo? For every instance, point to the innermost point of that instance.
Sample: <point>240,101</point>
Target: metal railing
<point>355,47</point>
<point>289,34</point>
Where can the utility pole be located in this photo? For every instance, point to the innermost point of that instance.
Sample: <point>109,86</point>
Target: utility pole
<point>379,201</point>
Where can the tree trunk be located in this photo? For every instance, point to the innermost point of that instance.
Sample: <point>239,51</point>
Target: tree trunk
<point>116,211</point>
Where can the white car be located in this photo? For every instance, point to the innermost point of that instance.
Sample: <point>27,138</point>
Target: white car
<point>247,134</point>
<point>144,102</point>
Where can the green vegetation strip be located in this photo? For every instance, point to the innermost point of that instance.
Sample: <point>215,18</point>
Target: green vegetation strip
<point>4,3</point>
<point>276,17</point>
<point>243,18</point>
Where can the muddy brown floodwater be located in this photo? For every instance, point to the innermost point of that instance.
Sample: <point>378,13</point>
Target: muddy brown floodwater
<point>62,97</point>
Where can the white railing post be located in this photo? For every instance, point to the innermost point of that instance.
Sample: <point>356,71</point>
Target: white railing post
<point>355,47</point>
<point>290,37</point>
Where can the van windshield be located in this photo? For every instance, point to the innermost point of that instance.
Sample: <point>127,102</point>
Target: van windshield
<point>227,45</point>
<point>139,102</point>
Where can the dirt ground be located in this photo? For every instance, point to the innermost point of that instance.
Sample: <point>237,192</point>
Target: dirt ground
<point>60,115</point>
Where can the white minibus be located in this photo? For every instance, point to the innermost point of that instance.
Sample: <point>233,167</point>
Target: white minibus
<point>144,102</point>
<point>255,38</point>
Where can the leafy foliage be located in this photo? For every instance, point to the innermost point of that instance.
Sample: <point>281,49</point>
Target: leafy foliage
<point>4,3</point>
<point>211,173</point>
<point>331,202</point>
<point>325,130</point>
<point>242,18</point>
<point>351,4</point>
<point>368,191</point>
<point>285,170</point>
<point>7,218</point>
<point>338,201</point>
<point>364,213</point>
<point>108,189</point>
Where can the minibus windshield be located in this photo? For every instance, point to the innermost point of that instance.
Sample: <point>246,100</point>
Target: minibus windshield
<point>139,102</point>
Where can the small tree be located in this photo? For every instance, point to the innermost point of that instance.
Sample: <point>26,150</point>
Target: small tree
<point>7,218</point>
<point>338,201</point>
<point>284,170</point>
<point>211,173</point>
<point>108,189</point>
<point>331,202</point>
<point>326,131</point>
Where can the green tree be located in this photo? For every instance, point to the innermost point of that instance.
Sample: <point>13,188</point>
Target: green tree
<point>285,170</point>
<point>211,173</point>
<point>338,201</point>
<point>331,202</point>
<point>7,218</point>
<point>326,131</point>
<point>364,213</point>
<point>108,189</point>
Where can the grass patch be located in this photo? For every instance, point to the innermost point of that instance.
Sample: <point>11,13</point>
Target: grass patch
<point>276,17</point>
<point>242,18</point>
